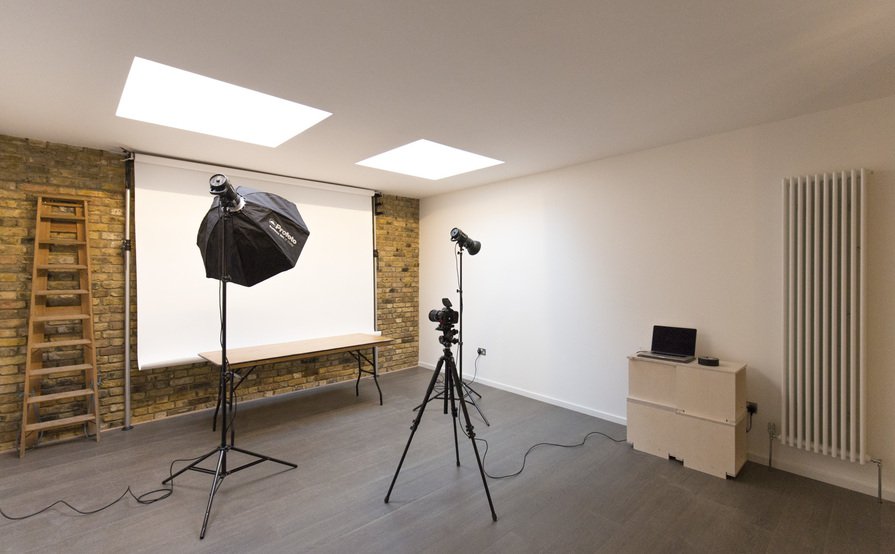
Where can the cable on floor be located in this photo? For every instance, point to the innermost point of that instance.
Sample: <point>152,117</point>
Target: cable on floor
<point>532,447</point>
<point>144,499</point>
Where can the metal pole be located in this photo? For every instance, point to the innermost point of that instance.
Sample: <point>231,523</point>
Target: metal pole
<point>375,201</point>
<point>126,247</point>
<point>460,326</point>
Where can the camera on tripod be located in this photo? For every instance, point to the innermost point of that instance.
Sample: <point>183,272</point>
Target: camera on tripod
<point>446,318</point>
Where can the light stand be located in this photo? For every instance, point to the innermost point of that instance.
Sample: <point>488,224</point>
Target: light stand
<point>464,242</point>
<point>469,392</point>
<point>227,392</point>
<point>452,393</point>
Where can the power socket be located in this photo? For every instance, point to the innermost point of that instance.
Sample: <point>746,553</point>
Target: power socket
<point>482,351</point>
<point>752,407</point>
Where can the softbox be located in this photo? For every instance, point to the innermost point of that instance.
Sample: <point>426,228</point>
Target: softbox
<point>264,237</point>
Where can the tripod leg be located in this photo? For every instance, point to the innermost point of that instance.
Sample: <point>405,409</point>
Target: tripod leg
<point>415,424</point>
<point>470,431</point>
<point>261,458</point>
<point>448,390</point>
<point>219,475</point>
<point>449,393</point>
<point>191,466</point>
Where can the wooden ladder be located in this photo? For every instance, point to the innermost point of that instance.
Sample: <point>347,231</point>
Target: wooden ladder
<point>61,388</point>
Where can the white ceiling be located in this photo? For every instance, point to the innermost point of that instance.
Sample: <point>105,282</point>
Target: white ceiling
<point>539,84</point>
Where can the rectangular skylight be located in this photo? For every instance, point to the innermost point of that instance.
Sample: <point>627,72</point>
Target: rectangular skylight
<point>429,160</point>
<point>164,95</point>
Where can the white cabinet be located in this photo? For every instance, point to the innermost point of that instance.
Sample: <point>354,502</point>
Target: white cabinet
<point>694,413</point>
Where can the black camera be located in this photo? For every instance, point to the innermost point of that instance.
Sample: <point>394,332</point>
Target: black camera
<point>446,315</point>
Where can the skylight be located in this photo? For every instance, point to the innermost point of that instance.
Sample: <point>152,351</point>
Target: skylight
<point>164,95</point>
<point>428,160</point>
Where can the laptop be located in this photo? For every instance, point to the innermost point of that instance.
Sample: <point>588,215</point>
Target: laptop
<point>675,344</point>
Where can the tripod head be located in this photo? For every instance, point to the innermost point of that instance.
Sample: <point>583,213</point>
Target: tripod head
<point>446,318</point>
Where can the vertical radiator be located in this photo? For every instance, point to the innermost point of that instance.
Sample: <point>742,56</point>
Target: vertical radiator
<point>823,392</point>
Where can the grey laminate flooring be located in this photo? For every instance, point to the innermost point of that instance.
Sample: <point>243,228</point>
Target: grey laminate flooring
<point>602,497</point>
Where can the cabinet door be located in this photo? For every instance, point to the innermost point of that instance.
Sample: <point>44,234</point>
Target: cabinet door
<point>651,428</point>
<point>711,393</point>
<point>651,381</point>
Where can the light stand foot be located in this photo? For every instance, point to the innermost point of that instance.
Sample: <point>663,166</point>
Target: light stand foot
<point>469,393</point>
<point>221,471</point>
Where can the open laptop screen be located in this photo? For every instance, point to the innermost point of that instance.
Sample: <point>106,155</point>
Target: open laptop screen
<point>677,341</point>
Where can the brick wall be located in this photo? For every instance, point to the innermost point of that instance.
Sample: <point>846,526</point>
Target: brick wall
<point>398,277</point>
<point>29,168</point>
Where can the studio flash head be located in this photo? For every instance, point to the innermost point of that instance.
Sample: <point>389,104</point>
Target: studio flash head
<point>461,238</point>
<point>219,185</point>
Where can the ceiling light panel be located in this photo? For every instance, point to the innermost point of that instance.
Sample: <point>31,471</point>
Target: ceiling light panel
<point>164,95</point>
<point>429,160</point>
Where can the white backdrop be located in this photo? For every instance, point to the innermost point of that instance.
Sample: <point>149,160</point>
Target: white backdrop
<point>329,292</point>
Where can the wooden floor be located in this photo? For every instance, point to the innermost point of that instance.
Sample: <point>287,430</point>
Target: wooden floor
<point>602,497</point>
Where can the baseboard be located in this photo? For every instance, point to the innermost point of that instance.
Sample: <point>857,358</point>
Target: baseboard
<point>835,478</point>
<point>546,399</point>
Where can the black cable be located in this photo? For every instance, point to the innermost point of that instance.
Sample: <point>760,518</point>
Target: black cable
<point>232,423</point>
<point>456,248</point>
<point>164,493</point>
<point>475,368</point>
<point>532,447</point>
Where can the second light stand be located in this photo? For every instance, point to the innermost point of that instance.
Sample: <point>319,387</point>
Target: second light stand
<point>469,393</point>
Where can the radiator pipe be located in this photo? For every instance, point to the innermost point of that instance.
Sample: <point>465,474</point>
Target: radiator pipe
<point>879,478</point>
<point>772,434</point>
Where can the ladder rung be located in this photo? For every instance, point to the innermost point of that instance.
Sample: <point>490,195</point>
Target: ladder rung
<point>62,242</point>
<point>60,292</point>
<point>58,317</point>
<point>62,200</point>
<point>59,395</point>
<point>60,343</point>
<point>60,369</point>
<point>61,422</point>
<point>47,215</point>
<point>62,267</point>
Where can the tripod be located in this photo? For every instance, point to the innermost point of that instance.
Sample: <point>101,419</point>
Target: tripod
<point>453,392</point>
<point>227,399</point>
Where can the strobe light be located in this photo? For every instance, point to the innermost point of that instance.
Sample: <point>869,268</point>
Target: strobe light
<point>220,186</point>
<point>461,238</point>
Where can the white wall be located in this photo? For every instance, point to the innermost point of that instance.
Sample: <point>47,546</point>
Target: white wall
<point>577,265</point>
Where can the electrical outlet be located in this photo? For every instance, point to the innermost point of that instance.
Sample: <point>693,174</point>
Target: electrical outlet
<point>482,351</point>
<point>752,407</point>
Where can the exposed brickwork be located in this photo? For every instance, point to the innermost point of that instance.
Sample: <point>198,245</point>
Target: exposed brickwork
<point>29,168</point>
<point>398,277</point>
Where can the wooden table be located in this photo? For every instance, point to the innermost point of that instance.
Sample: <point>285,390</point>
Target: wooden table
<point>252,356</point>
